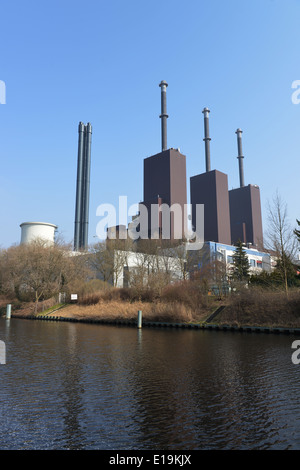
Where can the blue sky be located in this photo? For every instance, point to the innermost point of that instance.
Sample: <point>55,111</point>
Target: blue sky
<point>102,61</point>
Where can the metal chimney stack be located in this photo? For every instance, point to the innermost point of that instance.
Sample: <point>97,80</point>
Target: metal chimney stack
<point>206,139</point>
<point>163,115</point>
<point>83,186</point>
<point>240,156</point>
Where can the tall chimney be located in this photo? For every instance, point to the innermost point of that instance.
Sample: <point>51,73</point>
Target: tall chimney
<point>206,139</point>
<point>163,115</point>
<point>240,156</point>
<point>86,186</point>
<point>78,208</point>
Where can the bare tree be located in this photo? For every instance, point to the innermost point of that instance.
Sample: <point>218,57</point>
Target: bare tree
<point>37,271</point>
<point>108,258</point>
<point>280,238</point>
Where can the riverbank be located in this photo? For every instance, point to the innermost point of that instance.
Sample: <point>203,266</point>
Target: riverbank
<point>112,311</point>
<point>250,308</point>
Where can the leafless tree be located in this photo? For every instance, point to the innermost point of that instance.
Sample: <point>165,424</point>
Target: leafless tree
<point>279,237</point>
<point>37,271</point>
<point>108,258</point>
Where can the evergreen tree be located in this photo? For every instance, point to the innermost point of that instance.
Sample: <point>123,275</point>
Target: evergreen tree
<point>297,232</point>
<point>240,263</point>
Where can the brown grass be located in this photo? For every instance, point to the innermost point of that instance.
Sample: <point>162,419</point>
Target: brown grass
<point>119,310</point>
<point>261,307</point>
<point>183,302</point>
<point>180,302</point>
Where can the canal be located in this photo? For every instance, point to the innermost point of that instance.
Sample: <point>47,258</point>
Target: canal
<point>82,386</point>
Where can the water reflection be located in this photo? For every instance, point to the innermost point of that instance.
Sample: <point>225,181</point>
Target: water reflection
<point>76,386</point>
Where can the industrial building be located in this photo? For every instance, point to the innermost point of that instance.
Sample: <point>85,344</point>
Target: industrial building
<point>129,263</point>
<point>165,185</point>
<point>44,231</point>
<point>211,190</point>
<point>229,216</point>
<point>143,265</point>
<point>245,207</point>
<point>258,260</point>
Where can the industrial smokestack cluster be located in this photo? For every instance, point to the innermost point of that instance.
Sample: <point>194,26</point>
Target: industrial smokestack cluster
<point>83,186</point>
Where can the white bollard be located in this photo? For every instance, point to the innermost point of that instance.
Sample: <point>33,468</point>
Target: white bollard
<point>8,310</point>
<point>140,319</point>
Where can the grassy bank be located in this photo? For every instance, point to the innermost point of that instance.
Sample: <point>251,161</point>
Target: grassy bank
<point>258,307</point>
<point>252,307</point>
<point>111,310</point>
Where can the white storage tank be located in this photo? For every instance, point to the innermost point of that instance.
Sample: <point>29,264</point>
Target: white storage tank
<point>37,230</point>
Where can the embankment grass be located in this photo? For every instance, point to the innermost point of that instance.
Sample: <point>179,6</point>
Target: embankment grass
<point>115,310</point>
<point>261,307</point>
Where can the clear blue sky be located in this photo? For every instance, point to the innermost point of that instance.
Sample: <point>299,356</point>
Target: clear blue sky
<point>101,62</point>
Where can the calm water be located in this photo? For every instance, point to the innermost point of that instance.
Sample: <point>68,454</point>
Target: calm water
<point>77,386</point>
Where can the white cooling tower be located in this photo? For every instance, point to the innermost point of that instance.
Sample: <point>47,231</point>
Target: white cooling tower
<point>37,230</point>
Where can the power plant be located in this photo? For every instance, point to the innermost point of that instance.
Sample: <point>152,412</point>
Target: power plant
<point>229,216</point>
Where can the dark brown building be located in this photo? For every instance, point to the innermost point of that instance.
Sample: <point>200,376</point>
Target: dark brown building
<point>165,184</point>
<point>211,189</point>
<point>245,215</point>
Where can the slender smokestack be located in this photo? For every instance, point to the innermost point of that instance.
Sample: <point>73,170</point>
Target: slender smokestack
<point>86,186</point>
<point>163,115</point>
<point>78,220</point>
<point>240,156</point>
<point>206,139</point>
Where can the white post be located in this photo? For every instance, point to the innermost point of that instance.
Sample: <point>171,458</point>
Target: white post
<point>139,319</point>
<point>8,310</point>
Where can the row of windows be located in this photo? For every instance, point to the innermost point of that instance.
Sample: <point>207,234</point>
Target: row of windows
<point>253,262</point>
